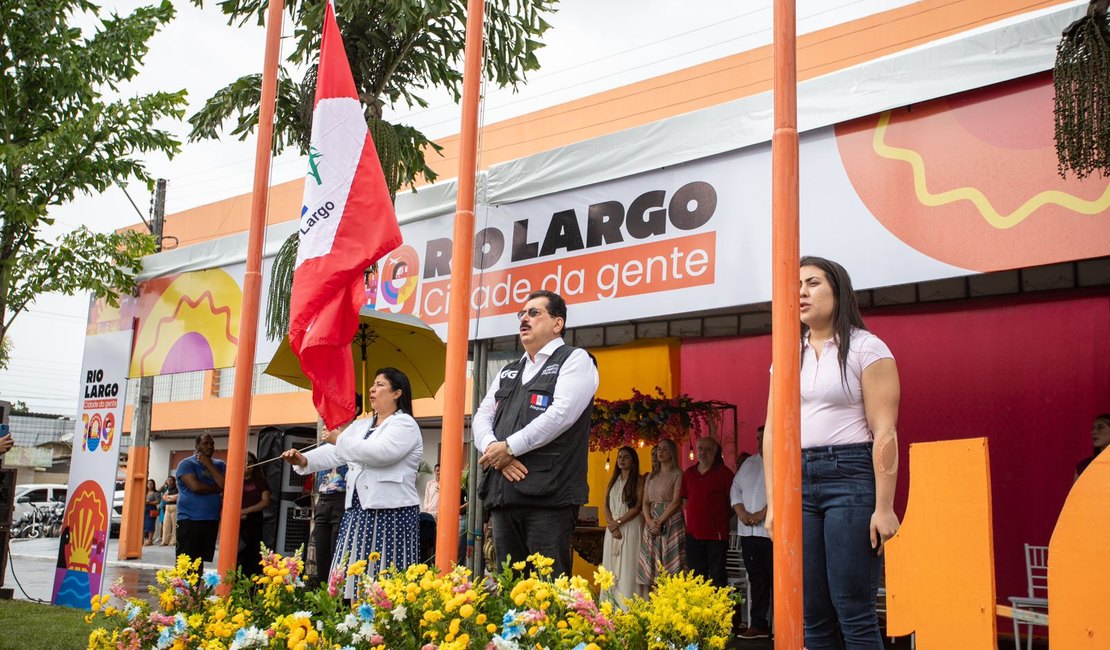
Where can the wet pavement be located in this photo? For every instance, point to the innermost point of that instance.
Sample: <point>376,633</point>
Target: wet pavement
<point>31,564</point>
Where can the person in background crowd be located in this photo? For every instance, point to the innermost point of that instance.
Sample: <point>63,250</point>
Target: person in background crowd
<point>749,500</point>
<point>705,495</point>
<point>662,542</point>
<point>256,498</point>
<point>383,455</point>
<point>168,533</point>
<point>327,515</point>
<point>150,511</point>
<point>533,430</point>
<point>1100,437</point>
<point>624,500</point>
<point>430,502</point>
<point>199,500</point>
<point>6,443</point>
<point>331,503</point>
<point>849,414</point>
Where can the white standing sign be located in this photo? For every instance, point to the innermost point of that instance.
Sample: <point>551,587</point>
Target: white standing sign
<point>92,475</point>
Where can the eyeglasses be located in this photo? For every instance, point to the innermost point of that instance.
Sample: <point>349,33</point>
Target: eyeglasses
<point>530,313</point>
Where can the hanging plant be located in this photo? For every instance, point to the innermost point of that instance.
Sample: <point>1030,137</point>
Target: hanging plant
<point>1081,76</point>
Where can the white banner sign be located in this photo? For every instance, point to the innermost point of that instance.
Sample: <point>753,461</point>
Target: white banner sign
<point>92,474</point>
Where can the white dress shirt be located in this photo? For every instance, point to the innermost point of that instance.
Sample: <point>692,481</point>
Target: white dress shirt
<point>574,390</point>
<point>749,490</point>
<point>381,468</point>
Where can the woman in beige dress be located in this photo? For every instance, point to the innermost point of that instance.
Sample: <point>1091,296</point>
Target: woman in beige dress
<point>663,541</point>
<point>621,549</point>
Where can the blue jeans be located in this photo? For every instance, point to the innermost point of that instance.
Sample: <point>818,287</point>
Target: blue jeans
<point>840,571</point>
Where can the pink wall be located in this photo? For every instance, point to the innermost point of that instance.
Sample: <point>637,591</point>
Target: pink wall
<point>1030,374</point>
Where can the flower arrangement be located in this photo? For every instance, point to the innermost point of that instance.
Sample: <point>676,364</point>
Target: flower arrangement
<point>647,419</point>
<point>522,608</point>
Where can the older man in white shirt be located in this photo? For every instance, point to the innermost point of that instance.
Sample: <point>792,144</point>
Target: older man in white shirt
<point>533,431</point>
<point>749,500</point>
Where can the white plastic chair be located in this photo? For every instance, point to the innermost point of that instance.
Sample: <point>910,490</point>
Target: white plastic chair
<point>1036,600</point>
<point>737,574</point>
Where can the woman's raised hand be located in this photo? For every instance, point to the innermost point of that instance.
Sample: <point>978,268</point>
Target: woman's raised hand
<point>294,457</point>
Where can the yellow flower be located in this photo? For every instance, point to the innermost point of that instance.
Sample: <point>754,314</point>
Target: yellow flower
<point>375,556</point>
<point>357,569</point>
<point>466,610</point>
<point>491,628</point>
<point>519,566</point>
<point>603,578</point>
<point>480,619</point>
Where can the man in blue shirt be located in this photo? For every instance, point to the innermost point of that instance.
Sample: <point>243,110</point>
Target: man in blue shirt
<point>200,484</point>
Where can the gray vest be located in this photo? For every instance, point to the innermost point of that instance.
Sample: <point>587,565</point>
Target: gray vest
<point>557,471</point>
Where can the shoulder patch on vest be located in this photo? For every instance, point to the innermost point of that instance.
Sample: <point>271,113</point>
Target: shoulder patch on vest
<point>552,369</point>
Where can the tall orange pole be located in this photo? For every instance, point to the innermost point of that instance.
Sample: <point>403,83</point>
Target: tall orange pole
<point>458,307</point>
<point>248,316</point>
<point>785,390</point>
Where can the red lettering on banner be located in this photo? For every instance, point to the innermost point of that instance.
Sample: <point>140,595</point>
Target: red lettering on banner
<point>93,404</point>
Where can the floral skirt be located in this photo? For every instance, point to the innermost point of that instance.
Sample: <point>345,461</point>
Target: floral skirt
<point>667,549</point>
<point>391,532</point>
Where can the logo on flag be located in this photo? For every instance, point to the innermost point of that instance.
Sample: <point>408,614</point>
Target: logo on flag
<point>347,223</point>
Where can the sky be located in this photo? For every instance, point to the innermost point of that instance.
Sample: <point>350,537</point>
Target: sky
<point>593,46</point>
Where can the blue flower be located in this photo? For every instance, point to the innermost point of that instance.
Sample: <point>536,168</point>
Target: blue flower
<point>581,646</point>
<point>692,646</point>
<point>211,579</point>
<point>511,629</point>
<point>366,612</point>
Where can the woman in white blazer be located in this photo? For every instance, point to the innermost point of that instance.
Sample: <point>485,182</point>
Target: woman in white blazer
<point>382,455</point>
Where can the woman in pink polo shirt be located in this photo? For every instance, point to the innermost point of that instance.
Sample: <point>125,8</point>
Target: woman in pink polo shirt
<point>849,409</point>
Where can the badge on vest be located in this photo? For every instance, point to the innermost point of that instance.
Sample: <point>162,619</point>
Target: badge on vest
<point>509,374</point>
<point>540,402</point>
<point>553,369</point>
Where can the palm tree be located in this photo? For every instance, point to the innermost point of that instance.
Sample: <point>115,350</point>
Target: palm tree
<point>397,49</point>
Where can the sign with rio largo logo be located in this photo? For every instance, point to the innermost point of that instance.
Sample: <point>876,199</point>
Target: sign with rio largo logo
<point>947,188</point>
<point>92,475</point>
<point>682,239</point>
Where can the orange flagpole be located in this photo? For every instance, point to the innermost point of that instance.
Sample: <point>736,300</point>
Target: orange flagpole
<point>785,390</point>
<point>458,308</point>
<point>248,316</point>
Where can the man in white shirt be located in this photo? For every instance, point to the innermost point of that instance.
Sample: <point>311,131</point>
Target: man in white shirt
<point>431,496</point>
<point>533,431</point>
<point>749,500</point>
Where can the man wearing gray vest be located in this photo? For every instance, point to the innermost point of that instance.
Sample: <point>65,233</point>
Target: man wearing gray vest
<point>533,430</point>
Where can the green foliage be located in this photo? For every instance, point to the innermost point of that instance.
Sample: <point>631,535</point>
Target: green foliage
<point>104,264</point>
<point>54,627</point>
<point>397,50</point>
<point>65,130</point>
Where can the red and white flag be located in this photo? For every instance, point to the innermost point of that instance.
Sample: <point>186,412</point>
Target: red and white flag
<point>347,222</point>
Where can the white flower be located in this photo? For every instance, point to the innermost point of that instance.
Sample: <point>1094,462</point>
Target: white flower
<point>348,624</point>
<point>365,631</point>
<point>399,612</point>
<point>250,637</point>
<point>504,644</point>
<point>302,614</point>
